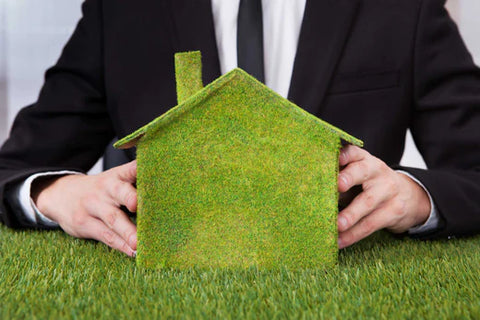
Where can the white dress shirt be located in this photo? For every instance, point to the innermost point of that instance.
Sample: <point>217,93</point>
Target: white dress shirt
<point>282,21</point>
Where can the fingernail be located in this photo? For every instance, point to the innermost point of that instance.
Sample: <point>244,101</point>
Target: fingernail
<point>342,223</point>
<point>134,254</point>
<point>344,179</point>
<point>340,243</point>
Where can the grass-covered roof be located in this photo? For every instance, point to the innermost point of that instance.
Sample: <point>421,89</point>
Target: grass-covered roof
<point>225,80</point>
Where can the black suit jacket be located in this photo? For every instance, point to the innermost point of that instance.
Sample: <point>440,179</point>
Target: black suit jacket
<point>371,67</point>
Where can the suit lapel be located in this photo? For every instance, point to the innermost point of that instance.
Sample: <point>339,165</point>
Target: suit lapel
<point>326,25</point>
<point>193,29</point>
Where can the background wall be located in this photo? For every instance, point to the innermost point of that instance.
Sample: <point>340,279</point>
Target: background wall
<point>3,73</point>
<point>33,32</point>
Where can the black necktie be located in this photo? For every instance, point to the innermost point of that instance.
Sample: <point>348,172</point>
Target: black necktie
<point>250,38</point>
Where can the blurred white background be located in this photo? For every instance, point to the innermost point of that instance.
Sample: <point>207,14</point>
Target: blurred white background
<point>33,32</point>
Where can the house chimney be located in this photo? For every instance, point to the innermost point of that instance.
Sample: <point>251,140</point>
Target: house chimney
<point>188,73</point>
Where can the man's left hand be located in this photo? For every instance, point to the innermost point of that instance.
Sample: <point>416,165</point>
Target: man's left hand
<point>389,199</point>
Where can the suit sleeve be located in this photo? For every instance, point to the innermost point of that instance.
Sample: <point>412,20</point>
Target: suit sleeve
<point>446,121</point>
<point>68,127</point>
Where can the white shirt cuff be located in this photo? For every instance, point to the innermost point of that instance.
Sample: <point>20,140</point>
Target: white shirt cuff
<point>26,202</point>
<point>433,219</point>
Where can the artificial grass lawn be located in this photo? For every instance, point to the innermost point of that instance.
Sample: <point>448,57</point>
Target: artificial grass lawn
<point>51,275</point>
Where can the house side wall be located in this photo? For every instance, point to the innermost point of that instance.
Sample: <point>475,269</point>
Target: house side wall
<point>143,166</point>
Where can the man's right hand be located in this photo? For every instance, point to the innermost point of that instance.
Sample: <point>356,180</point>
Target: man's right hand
<point>89,206</point>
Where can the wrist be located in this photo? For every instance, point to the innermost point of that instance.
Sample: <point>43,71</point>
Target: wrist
<point>418,200</point>
<point>43,192</point>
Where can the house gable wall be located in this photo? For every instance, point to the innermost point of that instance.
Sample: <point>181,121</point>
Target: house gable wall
<point>230,184</point>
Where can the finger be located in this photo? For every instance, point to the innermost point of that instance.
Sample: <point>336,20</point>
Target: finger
<point>117,221</point>
<point>100,232</point>
<point>379,219</point>
<point>356,173</point>
<point>124,194</point>
<point>351,153</point>
<point>360,173</point>
<point>128,172</point>
<point>364,204</point>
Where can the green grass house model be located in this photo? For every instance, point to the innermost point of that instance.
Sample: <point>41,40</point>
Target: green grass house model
<point>235,176</point>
